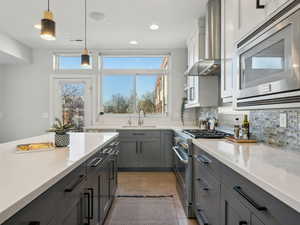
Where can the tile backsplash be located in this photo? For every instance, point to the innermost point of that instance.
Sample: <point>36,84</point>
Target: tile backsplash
<point>265,125</point>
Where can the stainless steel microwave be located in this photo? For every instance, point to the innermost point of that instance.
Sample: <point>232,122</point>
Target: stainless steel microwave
<point>269,63</point>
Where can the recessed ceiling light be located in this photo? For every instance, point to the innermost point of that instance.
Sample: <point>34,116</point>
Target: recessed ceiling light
<point>38,26</point>
<point>154,27</point>
<point>133,42</point>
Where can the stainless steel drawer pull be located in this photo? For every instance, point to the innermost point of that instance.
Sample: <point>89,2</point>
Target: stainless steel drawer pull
<point>96,162</point>
<point>239,190</point>
<point>34,223</point>
<point>243,223</point>
<point>138,133</point>
<point>202,217</point>
<point>205,188</point>
<point>203,159</point>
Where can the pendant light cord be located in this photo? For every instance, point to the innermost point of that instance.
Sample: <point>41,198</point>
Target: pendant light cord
<point>85,44</point>
<point>48,5</point>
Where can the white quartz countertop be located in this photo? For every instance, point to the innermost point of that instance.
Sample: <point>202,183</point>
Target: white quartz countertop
<point>24,176</point>
<point>145,127</point>
<point>275,170</point>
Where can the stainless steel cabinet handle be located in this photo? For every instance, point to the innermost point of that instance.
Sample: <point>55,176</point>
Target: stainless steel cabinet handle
<point>81,178</point>
<point>205,188</point>
<point>243,223</point>
<point>179,156</point>
<point>136,147</point>
<point>88,196</point>
<point>92,202</point>
<point>34,223</point>
<point>203,159</point>
<point>96,162</point>
<point>138,134</point>
<point>239,190</point>
<point>202,217</point>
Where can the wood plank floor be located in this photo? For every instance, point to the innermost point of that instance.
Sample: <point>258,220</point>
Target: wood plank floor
<point>152,183</point>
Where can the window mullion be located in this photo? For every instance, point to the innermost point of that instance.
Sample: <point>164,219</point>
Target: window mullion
<point>135,94</point>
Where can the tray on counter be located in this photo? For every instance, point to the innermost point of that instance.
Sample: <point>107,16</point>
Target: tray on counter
<point>35,147</point>
<point>235,140</point>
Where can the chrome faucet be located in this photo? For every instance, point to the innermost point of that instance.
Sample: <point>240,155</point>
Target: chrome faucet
<point>140,120</point>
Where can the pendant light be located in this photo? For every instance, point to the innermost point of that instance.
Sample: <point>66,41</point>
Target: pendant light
<point>48,25</point>
<point>85,57</point>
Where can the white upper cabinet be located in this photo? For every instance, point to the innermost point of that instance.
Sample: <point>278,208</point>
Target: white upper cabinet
<point>195,49</point>
<point>229,27</point>
<point>249,16</point>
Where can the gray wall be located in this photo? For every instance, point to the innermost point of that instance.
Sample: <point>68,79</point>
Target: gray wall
<point>26,97</point>
<point>1,100</point>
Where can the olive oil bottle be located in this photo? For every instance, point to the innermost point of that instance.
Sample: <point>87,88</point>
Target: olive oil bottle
<point>246,128</point>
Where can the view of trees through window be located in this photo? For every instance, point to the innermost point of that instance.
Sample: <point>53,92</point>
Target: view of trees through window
<point>124,94</point>
<point>72,96</point>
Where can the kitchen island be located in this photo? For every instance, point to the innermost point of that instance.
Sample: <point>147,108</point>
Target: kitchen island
<point>25,176</point>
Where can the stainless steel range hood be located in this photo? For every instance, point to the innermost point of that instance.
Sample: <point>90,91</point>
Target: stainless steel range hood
<point>211,63</point>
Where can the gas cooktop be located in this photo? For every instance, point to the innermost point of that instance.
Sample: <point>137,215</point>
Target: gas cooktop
<point>206,133</point>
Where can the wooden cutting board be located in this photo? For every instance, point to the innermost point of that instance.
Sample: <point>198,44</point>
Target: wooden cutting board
<point>233,139</point>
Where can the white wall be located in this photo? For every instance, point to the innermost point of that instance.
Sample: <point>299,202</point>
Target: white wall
<point>12,51</point>
<point>1,100</point>
<point>26,95</point>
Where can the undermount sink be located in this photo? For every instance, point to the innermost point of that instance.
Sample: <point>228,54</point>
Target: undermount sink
<point>129,126</point>
<point>144,126</point>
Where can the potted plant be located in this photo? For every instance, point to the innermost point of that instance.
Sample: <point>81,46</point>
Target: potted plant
<point>62,138</point>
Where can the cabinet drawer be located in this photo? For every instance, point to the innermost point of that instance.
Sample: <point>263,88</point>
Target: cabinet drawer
<point>207,196</point>
<point>207,162</point>
<point>255,198</point>
<point>233,212</point>
<point>70,188</point>
<point>42,210</point>
<point>137,134</point>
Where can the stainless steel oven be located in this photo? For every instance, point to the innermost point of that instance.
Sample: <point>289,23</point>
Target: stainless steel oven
<point>182,167</point>
<point>269,61</point>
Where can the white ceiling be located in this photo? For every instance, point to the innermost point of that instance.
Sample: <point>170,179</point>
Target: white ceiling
<point>125,20</point>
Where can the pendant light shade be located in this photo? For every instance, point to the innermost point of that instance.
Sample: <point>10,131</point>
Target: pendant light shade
<point>85,57</point>
<point>48,26</point>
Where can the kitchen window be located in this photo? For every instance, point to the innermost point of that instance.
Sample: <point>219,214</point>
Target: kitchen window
<point>130,84</point>
<point>70,62</point>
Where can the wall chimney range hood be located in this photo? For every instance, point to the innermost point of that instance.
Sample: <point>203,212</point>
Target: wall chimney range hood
<point>210,65</point>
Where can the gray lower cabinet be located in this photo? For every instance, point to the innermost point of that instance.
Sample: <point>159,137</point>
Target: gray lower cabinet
<point>128,154</point>
<point>233,211</point>
<point>224,197</point>
<point>145,150</point>
<point>82,197</point>
<point>207,194</point>
<point>150,154</point>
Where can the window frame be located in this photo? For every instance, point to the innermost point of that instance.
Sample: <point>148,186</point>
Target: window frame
<point>134,72</point>
<point>57,70</point>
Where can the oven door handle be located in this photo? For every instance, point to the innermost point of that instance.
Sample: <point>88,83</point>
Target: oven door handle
<point>179,156</point>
